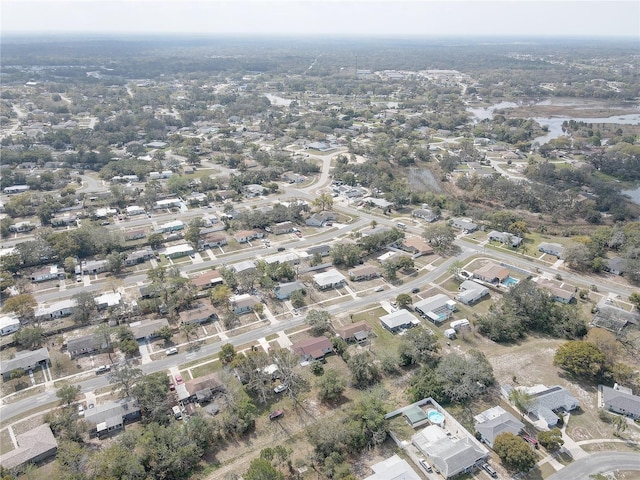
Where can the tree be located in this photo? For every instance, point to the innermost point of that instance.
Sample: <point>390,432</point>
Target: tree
<point>193,234</point>
<point>258,309</point>
<point>522,400</point>
<point>635,299</point>
<point>419,345</point>
<point>151,393</point>
<point>318,320</point>
<point>577,256</point>
<point>580,358</point>
<point>405,263</point>
<point>227,353</point>
<point>68,393</point>
<point>364,373</point>
<point>115,262</point>
<point>551,439</point>
<point>29,337</point>
<point>455,268</point>
<point>261,469</point>
<point>85,309</point>
<point>331,386</point>
<point>155,240</point>
<point>166,333</point>
<point>104,332</point>
<point>324,201</point>
<point>404,300</point>
<point>619,423</point>
<point>220,295</point>
<point>514,451</point>
<point>124,378</point>
<point>297,299</point>
<point>127,342</point>
<point>465,377</point>
<point>440,236</point>
<point>22,305</point>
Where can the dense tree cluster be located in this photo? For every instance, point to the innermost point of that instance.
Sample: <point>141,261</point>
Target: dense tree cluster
<point>526,307</point>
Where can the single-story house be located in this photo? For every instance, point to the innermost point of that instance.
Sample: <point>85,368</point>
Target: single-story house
<point>284,290</point>
<point>167,203</point>
<point>494,421</point>
<point>104,212</point>
<point>202,389</point>
<point>364,272</point>
<point>169,227</point>
<point>254,190</point>
<point>613,318</point>
<point>22,227</point>
<point>354,331</point>
<point>322,250</point>
<point>505,238</point>
<point>491,273</point>
<point>52,272</point>
<point>558,291</point>
<point>243,303</point>
<point>34,446</point>
<point>245,236</point>
<point>293,177</point>
<point>380,203</point>
<point>208,279</point>
<point>16,189</point>
<point>551,248</point>
<point>617,266</point>
<point>399,320</point>
<point>392,468</point>
<point>471,292</point>
<point>139,256</point>
<point>64,220</point>
<point>425,214</point>
<point>147,329</point>
<point>25,360</point>
<point>292,258</point>
<point>93,267</point>
<point>332,278</point>
<point>247,265</point>
<point>177,251</point>
<point>214,239</point>
<point>134,210</point>
<point>465,225</point>
<point>417,246</point>
<point>437,308</point>
<point>60,309</point>
<point>203,313</point>
<point>111,417</point>
<point>547,401</point>
<point>320,218</point>
<point>160,175</point>
<point>135,234</point>
<point>620,400</point>
<point>108,300</point>
<point>9,324</point>
<point>313,348</point>
<point>283,227</point>
<point>85,344</point>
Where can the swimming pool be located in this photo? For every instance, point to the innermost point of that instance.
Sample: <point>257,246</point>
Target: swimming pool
<point>510,281</point>
<point>435,416</point>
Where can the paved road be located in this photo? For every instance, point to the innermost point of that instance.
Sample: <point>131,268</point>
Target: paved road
<point>596,463</point>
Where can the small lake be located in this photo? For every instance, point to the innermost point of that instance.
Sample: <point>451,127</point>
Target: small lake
<point>554,124</point>
<point>633,194</point>
<point>278,101</point>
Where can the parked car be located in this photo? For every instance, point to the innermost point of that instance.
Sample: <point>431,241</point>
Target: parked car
<point>171,351</point>
<point>379,289</point>
<point>276,414</point>
<point>281,249</point>
<point>415,290</point>
<point>489,469</point>
<point>280,388</point>
<point>179,380</point>
<point>530,440</point>
<point>103,369</point>
<point>80,410</point>
<point>172,387</point>
<point>78,278</point>
<point>426,466</point>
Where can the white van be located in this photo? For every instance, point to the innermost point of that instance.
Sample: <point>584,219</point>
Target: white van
<point>401,225</point>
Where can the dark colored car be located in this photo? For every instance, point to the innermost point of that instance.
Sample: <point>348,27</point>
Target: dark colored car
<point>415,290</point>
<point>276,414</point>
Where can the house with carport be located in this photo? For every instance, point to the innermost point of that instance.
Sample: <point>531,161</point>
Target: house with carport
<point>25,361</point>
<point>354,332</point>
<point>494,421</point>
<point>399,320</point>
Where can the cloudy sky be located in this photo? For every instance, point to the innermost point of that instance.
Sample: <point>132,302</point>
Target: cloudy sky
<point>603,18</point>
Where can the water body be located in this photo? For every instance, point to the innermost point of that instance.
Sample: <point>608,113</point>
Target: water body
<point>634,195</point>
<point>278,101</point>
<point>554,124</point>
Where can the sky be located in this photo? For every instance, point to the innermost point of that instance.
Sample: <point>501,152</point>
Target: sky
<point>525,18</point>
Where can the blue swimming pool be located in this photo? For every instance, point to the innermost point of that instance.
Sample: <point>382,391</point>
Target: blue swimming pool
<point>435,416</point>
<point>510,281</point>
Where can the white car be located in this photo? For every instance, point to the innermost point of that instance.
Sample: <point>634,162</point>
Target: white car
<point>280,388</point>
<point>80,410</point>
<point>379,289</point>
<point>171,351</point>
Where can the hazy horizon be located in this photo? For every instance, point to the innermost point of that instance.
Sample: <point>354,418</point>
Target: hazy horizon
<point>328,18</point>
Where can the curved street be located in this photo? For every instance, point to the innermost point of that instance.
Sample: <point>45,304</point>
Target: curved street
<point>597,463</point>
